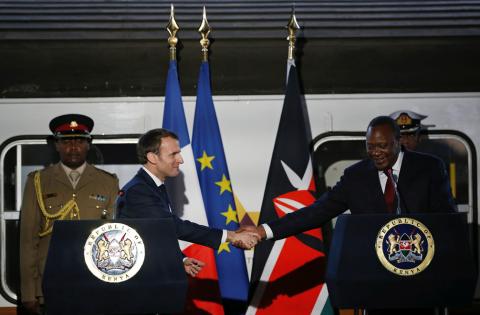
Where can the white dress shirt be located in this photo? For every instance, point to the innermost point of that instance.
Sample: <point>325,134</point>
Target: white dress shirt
<point>395,171</point>
<point>79,169</point>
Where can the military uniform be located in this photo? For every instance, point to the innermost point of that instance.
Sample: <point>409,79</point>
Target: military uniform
<point>92,197</point>
<point>95,196</point>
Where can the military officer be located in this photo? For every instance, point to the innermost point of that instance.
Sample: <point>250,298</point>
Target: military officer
<point>410,128</point>
<point>69,190</point>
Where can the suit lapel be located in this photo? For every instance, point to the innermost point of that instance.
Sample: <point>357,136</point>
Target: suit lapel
<point>374,182</point>
<point>163,202</point>
<point>406,170</point>
<point>143,176</point>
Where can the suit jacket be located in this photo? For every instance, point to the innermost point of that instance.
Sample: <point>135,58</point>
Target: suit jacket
<point>423,186</point>
<point>95,192</point>
<point>141,198</point>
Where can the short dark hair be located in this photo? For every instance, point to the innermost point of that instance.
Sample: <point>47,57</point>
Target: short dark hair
<point>151,141</point>
<point>385,121</point>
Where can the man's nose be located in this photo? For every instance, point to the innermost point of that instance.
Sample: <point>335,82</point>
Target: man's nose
<point>180,159</point>
<point>74,145</point>
<point>376,152</point>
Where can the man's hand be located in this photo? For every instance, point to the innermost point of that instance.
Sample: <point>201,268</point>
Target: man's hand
<point>259,230</point>
<point>192,266</point>
<point>243,239</point>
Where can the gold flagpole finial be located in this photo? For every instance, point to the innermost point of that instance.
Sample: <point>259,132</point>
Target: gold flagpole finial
<point>172,28</point>
<point>292,29</point>
<point>204,30</point>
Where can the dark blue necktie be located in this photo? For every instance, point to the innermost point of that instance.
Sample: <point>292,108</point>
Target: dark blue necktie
<point>164,194</point>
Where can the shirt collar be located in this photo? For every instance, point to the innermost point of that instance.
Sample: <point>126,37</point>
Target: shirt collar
<point>398,164</point>
<point>157,180</point>
<point>79,169</point>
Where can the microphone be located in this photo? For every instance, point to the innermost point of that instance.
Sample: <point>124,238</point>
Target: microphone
<point>119,204</point>
<point>397,194</point>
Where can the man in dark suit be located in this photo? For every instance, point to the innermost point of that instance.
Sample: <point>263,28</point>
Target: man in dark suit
<point>367,187</point>
<point>145,195</point>
<point>423,185</point>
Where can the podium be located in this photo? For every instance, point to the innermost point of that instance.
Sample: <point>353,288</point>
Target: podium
<point>356,277</point>
<point>157,285</point>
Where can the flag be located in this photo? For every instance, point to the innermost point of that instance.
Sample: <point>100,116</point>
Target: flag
<point>217,190</point>
<point>288,275</point>
<point>186,197</point>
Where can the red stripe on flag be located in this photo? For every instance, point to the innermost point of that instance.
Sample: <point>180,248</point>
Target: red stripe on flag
<point>295,282</point>
<point>203,291</point>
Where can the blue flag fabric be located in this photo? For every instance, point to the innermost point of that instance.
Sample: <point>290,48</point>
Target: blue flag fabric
<point>173,113</point>
<point>216,189</point>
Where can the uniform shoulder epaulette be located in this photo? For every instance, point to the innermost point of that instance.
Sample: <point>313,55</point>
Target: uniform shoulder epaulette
<point>41,170</point>
<point>32,173</point>
<point>106,172</point>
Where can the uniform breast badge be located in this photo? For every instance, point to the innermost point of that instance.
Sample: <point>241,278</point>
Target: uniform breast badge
<point>405,246</point>
<point>114,252</point>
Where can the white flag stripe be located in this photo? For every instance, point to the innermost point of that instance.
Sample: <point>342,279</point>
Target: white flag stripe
<point>194,209</point>
<point>264,279</point>
<point>290,202</point>
<point>321,300</point>
<point>284,209</point>
<point>295,180</point>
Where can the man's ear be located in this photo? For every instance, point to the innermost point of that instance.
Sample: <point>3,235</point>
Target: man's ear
<point>151,158</point>
<point>56,145</point>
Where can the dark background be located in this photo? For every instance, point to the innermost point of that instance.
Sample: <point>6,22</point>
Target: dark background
<point>83,48</point>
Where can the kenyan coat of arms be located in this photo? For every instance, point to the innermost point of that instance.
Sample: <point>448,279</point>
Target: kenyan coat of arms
<point>405,246</point>
<point>114,252</point>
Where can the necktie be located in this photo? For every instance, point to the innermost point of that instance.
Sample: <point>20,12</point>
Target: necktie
<point>389,193</point>
<point>165,199</point>
<point>74,176</point>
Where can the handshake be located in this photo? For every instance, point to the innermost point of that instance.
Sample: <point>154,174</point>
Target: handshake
<point>246,237</point>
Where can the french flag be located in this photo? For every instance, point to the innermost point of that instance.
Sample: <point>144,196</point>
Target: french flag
<point>186,197</point>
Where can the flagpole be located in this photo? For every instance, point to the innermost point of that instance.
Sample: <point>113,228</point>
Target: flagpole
<point>172,28</point>
<point>204,31</point>
<point>292,27</point>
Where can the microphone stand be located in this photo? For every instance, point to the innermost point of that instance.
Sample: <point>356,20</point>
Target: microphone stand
<point>397,194</point>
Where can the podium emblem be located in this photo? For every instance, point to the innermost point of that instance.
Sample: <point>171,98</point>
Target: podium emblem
<point>405,246</point>
<point>114,252</point>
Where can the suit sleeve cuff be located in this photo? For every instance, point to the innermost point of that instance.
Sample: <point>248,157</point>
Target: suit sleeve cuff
<point>268,231</point>
<point>224,236</point>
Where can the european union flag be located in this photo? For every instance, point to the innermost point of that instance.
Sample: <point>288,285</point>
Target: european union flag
<point>217,190</point>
